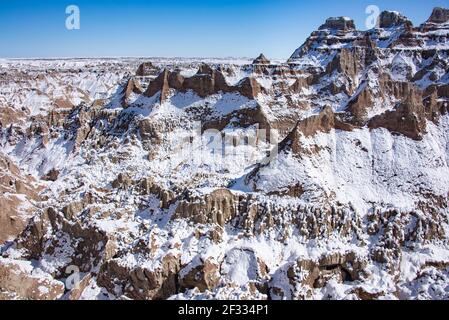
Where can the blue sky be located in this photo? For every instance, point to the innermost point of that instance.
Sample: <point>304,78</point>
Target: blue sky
<point>174,28</point>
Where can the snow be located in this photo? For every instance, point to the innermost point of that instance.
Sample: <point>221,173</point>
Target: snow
<point>314,59</point>
<point>373,172</point>
<point>237,75</point>
<point>240,266</point>
<point>43,289</point>
<point>402,67</point>
<point>265,82</point>
<point>95,292</point>
<point>360,169</point>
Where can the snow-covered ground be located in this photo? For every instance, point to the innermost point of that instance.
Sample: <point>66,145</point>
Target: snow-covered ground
<point>171,196</point>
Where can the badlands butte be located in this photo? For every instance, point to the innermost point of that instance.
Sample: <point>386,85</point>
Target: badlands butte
<point>354,205</point>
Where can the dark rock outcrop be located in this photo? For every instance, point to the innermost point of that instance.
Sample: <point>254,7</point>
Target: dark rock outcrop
<point>91,245</point>
<point>439,15</point>
<point>219,207</point>
<point>161,85</point>
<point>324,122</point>
<point>338,23</point>
<point>206,82</point>
<point>132,86</point>
<point>305,274</point>
<point>51,175</point>
<point>18,282</point>
<point>249,87</point>
<point>390,19</point>
<point>15,189</point>
<point>141,283</point>
<point>261,60</point>
<point>407,119</point>
<point>145,69</point>
<point>204,276</point>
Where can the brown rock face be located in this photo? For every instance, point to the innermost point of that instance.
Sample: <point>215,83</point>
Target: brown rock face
<point>150,131</point>
<point>141,283</point>
<point>368,43</point>
<point>299,84</point>
<point>389,19</point>
<point>17,282</point>
<point>176,81</point>
<point>222,207</point>
<point>246,117</point>
<point>358,107</point>
<point>145,69</point>
<point>325,121</point>
<point>56,117</point>
<point>206,82</point>
<point>81,120</point>
<point>305,275</point>
<point>160,84</point>
<point>147,186</point>
<point>347,62</point>
<point>262,60</point>
<point>123,181</point>
<point>13,187</point>
<point>62,103</point>
<point>9,115</point>
<point>439,15</point>
<point>443,91</point>
<point>389,226</point>
<point>205,69</point>
<point>339,23</point>
<point>249,87</point>
<point>407,119</point>
<point>52,175</point>
<point>218,207</point>
<point>205,276</point>
<point>90,245</point>
<point>405,92</point>
<point>11,222</point>
<point>132,86</point>
<point>201,84</point>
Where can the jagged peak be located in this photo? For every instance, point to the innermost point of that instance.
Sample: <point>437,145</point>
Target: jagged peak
<point>145,69</point>
<point>338,23</point>
<point>261,59</point>
<point>439,15</point>
<point>389,19</point>
<point>204,68</point>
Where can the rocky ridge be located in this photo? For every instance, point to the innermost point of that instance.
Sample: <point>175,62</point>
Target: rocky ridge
<point>354,205</point>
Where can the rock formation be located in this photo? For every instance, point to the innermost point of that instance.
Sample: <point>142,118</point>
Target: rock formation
<point>261,60</point>
<point>391,19</point>
<point>439,15</point>
<point>145,69</point>
<point>338,23</point>
<point>325,177</point>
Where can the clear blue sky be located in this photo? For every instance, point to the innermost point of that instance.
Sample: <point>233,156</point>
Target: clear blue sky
<point>214,28</point>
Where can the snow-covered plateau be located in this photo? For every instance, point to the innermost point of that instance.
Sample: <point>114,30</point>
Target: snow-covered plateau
<point>322,177</point>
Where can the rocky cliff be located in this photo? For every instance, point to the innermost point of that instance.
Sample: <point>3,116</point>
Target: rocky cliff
<point>325,177</point>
